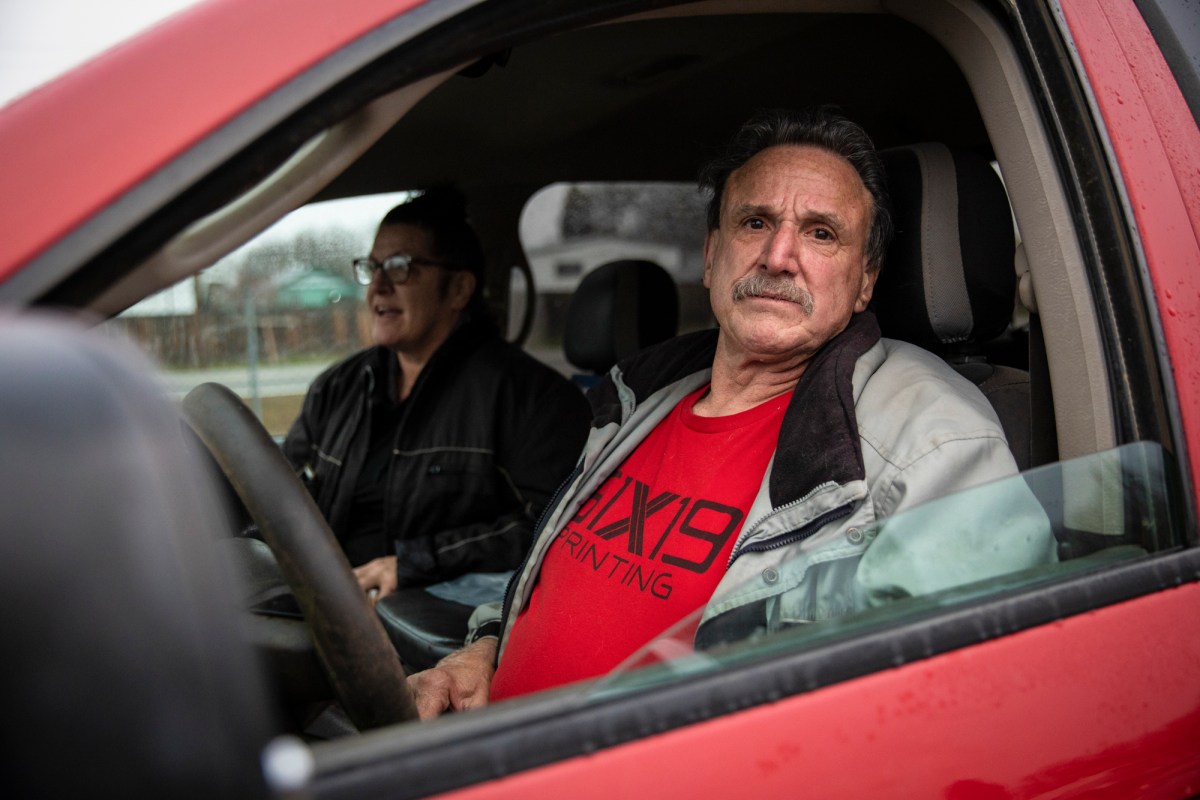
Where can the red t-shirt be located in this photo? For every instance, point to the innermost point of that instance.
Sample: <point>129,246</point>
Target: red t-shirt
<point>647,549</point>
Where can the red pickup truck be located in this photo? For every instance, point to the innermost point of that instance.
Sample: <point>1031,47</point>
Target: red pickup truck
<point>131,670</point>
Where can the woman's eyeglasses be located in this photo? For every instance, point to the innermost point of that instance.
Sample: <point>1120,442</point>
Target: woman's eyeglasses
<point>397,268</point>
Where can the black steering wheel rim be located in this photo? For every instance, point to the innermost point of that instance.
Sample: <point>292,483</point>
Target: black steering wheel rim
<point>363,667</point>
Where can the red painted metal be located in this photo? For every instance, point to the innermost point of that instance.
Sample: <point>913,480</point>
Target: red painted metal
<point>1105,704</point>
<point>1101,705</point>
<point>89,137</point>
<point>1157,145</point>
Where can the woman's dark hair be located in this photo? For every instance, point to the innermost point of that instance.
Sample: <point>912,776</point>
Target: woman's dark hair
<point>442,213</point>
<point>820,127</point>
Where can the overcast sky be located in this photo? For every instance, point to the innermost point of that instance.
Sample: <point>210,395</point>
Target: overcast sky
<point>42,38</point>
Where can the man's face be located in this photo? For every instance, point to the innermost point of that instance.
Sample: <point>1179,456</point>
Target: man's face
<point>786,268</point>
<point>414,317</point>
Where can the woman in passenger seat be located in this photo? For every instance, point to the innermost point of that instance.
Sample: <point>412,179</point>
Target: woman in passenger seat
<point>433,452</point>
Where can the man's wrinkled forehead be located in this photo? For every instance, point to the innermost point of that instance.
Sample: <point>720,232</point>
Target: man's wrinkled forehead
<point>778,177</point>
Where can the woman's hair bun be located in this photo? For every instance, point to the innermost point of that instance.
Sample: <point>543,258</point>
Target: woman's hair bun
<point>443,201</point>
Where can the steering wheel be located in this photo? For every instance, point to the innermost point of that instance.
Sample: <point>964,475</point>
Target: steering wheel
<point>363,667</point>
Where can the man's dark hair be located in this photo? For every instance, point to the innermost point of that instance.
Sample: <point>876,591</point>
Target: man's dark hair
<point>820,127</point>
<point>442,213</point>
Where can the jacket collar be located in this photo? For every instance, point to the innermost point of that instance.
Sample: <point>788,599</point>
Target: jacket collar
<point>382,369</point>
<point>820,429</point>
<point>819,441</point>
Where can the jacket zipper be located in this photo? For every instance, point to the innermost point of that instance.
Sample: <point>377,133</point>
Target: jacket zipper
<point>798,534</point>
<point>748,529</point>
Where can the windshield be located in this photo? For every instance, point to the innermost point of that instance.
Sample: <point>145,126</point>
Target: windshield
<point>270,316</point>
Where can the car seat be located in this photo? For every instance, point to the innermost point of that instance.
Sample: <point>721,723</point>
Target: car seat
<point>948,283</point>
<point>617,309</point>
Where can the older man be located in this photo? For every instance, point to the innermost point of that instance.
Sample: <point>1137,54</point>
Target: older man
<point>740,470</point>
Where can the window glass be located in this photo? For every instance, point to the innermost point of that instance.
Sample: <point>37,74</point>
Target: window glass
<point>570,229</point>
<point>267,318</point>
<point>985,542</point>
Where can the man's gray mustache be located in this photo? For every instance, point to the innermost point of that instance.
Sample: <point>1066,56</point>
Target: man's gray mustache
<point>776,287</point>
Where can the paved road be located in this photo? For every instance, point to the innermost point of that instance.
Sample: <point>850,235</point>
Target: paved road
<point>279,381</point>
<point>272,381</point>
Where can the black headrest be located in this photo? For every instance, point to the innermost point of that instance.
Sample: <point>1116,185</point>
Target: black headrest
<point>618,309</point>
<point>948,279</point>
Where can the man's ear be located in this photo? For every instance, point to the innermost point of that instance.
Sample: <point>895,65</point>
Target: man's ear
<point>461,289</point>
<point>709,246</point>
<point>868,289</point>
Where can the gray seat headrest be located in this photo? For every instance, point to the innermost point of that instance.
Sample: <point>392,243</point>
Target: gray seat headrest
<point>947,282</point>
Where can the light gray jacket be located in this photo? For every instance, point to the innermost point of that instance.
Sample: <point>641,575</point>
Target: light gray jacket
<point>875,427</point>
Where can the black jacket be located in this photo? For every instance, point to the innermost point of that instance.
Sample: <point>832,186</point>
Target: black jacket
<point>486,436</point>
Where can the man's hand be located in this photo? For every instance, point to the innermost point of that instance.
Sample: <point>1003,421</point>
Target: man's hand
<point>460,681</point>
<point>379,575</point>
